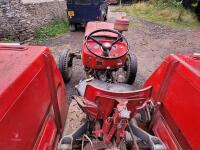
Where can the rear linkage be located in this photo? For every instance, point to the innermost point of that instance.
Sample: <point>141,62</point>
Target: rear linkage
<point>115,125</point>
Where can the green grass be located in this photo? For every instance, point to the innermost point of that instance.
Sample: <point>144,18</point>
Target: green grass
<point>162,12</point>
<point>53,30</point>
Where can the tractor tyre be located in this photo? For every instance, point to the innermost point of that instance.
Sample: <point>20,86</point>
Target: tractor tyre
<point>131,68</point>
<point>65,65</point>
<point>105,18</point>
<point>72,27</point>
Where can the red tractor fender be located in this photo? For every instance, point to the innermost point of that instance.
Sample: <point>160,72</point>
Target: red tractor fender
<point>32,98</point>
<point>176,86</point>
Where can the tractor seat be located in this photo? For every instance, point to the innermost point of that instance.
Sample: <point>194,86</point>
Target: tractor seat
<point>113,87</point>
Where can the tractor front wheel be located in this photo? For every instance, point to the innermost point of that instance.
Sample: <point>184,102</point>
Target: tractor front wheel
<point>72,27</point>
<point>65,65</point>
<point>130,68</point>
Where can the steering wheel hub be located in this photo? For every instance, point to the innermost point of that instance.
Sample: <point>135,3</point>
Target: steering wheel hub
<point>106,46</point>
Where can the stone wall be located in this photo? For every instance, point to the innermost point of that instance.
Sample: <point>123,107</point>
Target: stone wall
<point>19,19</point>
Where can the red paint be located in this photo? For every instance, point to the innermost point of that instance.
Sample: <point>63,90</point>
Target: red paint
<point>48,136</point>
<point>91,61</point>
<point>106,125</point>
<point>32,101</point>
<point>115,122</point>
<point>107,100</point>
<point>27,91</point>
<point>99,104</point>
<point>176,83</point>
<point>94,25</point>
<point>118,50</point>
<point>162,130</point>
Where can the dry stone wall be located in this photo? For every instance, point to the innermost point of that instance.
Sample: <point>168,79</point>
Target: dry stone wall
<point>19,20</point>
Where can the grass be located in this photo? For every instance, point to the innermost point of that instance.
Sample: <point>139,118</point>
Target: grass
<point>53,30</point>
<point>162,12</point>
<point>7,40</point>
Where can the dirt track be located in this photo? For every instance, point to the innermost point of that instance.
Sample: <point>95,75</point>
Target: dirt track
<point>150,42</point>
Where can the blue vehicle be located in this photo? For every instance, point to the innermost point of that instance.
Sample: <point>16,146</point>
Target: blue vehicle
<point>82,11</point>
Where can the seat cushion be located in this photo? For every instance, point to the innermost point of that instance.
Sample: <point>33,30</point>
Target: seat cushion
<point>114,87</point>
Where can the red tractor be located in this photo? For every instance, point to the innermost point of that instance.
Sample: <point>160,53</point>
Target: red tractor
<point>105,54</point>
<point>162,115</point>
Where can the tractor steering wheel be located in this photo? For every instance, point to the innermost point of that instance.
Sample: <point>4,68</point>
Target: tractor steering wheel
<point>106,47</point>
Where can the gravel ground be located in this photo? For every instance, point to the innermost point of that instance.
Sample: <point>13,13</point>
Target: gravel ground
<point>150,42</point>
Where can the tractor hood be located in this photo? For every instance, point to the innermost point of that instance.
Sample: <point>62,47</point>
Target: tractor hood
<point>96,25</point>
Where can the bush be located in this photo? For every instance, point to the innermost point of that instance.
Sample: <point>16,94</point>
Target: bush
<point>165,12</point>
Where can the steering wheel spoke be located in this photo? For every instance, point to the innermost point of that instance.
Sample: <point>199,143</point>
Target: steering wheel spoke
<point>118,39</point>
<point>90,37</point>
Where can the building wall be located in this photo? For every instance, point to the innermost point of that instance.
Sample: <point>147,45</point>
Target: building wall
<point>19,19</point>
